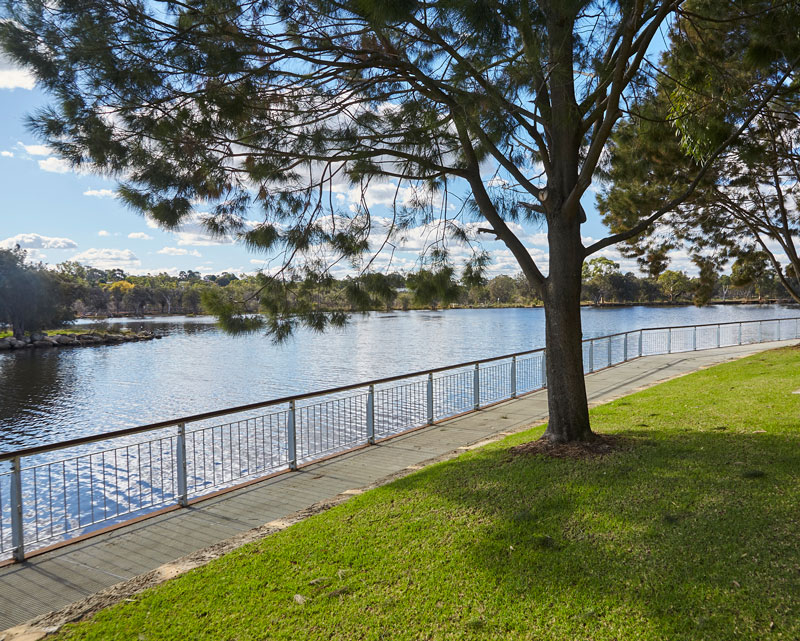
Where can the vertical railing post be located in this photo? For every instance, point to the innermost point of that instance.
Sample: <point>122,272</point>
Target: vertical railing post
<point>476,387</point>
<point>17,533</point>
<point>544,369</point>
<point>591,355</point>
<point>609,350</point>
<point>291,433</point>
<point>513,377</point>
<point>180,456</point>
<point>718,332</point>
<point>640,342</point>
<point>694,338</point>
<point>430,398</point>
<point>371,415</point>
<point>796,327</point>
<point>779,331</point>
<point>739,339</point>
<point>669,340</point>
<point>759,331</point>
<point>625,349</point>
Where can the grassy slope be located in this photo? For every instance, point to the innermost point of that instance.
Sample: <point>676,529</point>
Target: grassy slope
<point>692,533</point>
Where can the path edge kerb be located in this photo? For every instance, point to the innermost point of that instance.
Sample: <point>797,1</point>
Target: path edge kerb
<point>51,622</point>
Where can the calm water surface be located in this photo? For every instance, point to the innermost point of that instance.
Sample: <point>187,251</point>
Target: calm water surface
<point>63,393</point>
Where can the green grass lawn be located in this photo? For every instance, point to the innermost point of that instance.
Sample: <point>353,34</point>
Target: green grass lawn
<point>691,532</point>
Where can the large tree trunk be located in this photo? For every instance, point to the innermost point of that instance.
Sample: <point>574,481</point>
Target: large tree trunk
<point>566,393</point>
<point>566,388</point>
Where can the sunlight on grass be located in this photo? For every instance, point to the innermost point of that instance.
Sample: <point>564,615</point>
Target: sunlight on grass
<point>688,533</point>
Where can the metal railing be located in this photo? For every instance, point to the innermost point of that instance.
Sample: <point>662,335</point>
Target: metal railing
<point>52,493</point>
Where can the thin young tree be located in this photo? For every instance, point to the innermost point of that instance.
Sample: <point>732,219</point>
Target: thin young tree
<point>263,109</point>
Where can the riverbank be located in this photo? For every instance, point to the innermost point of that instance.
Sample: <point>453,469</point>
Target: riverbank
<point>67,338</point>
<point>686,533</point>
<point>533,305</point>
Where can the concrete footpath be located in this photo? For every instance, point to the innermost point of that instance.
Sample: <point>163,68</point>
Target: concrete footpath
<point>60,577</point>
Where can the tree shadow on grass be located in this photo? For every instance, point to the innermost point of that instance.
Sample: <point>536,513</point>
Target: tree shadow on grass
<point>691,535</point>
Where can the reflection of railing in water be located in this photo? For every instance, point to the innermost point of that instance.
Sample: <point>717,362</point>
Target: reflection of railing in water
<point>56,492</point>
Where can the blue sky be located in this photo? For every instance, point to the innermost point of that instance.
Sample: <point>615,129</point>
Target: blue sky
<point>58,215</point>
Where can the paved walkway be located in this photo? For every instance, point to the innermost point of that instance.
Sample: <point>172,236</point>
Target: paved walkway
<point>60,577</point>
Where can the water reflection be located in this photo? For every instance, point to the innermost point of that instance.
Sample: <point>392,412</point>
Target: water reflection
<point>33,387</point>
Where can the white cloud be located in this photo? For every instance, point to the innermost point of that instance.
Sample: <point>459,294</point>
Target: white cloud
<point>100,193</point>
<point>54,165</point>
<point>139,235</point>
<point>497,181</point>
<point>193,233</point>
<point>36,255</point>
<point>14,77</point>
<point>108,258</point>
<point>103,233</point>
<point>178,251</point>
<point>7,154</point>
<point>36,150</point>
<point>37,241</point>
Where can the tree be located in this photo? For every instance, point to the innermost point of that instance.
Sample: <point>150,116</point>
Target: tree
<point>118,290</point>
<point>746,202</point>
<point>433,288</point>
<point>31,297</point>
<point>600,275</point>
<point>752,269</point>
<point>674,284</point>
<point>501,289</point>
<point>266,108</point>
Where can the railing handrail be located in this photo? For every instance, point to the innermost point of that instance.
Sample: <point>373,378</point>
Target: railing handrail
<point>130,431</point>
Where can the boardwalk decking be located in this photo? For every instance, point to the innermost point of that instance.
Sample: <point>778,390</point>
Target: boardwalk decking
<point>60,577</point>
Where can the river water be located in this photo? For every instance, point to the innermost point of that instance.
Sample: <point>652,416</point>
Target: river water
<point>52,395</point>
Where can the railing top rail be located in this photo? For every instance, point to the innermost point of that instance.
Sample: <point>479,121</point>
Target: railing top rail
<point>95,438</point>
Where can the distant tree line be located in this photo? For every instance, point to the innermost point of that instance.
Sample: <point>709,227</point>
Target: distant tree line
<point>33,297</point>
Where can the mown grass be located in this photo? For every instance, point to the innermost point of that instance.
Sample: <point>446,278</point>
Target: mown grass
<point>692,532</point>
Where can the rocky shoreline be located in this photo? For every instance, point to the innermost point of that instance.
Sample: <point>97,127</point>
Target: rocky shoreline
<point>42,340</point>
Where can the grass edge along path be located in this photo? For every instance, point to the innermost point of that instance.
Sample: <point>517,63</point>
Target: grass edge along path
<point>688,533</point>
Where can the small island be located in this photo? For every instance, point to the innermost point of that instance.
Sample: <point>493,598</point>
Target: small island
<point>45,340</point>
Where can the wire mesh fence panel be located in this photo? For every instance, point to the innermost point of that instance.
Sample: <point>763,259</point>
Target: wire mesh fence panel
<point>606,346</point>
<point>588,356</point>
<point>5,514</point>
<point>495,382</point>
<point>330,426</point>
<point>787,329</point>
<point>219,455</point>
<point>530,376</point>
<point>707,336</point>
<point>751,332</point>
<point>681,339</point>
<point>452,393</point>
<point>654,342</point>
<point>769,330</point>
<point>625,348</point>
<point>401,407</point>
<point>728,334</point>
<point>78,494</point>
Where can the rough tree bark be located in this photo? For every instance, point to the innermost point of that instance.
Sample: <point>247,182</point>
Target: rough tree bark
<point>561,290</point>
